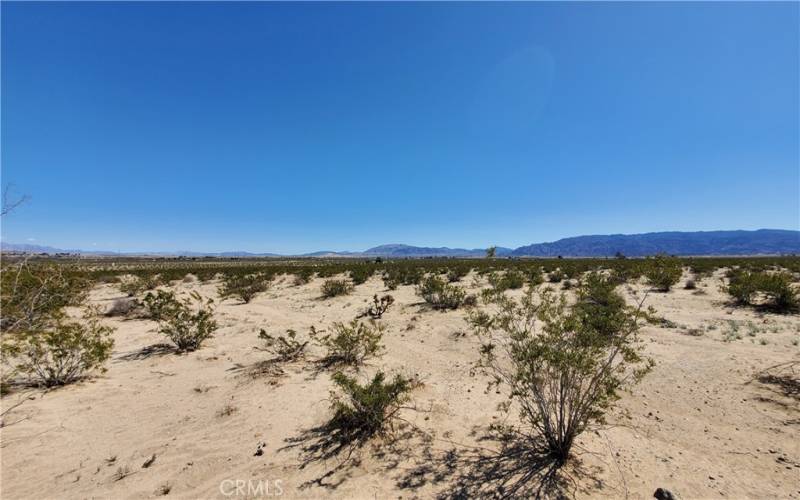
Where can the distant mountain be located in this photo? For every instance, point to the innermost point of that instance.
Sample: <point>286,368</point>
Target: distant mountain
<point>398,250</point>
<point>760,242</point>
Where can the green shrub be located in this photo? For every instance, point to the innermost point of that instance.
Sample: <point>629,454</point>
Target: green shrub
<point>562,372</point>
<point>556,276</point>
<point>32,296</point>
<point>511,279</point>
<point>662,271</point>
<point>350,343</point>
<point>285,348</point>
<point>773,291</point>
<point>456,274</point>
<point>362,411</point>
<point>303,276</point>
<point>134,285</point>
<point>243,286</point>
<point>161,304</point>
<point>599,308</point>
<point>188,325</point>
<point>440,294</point>
<point>61,353</point>
<point>361,274</point>
<point>334,288</point>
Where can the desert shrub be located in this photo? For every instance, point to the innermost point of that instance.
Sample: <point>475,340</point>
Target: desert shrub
<point>772,291</point>
<point>556,276</point>
<point>512,279</point>
<point>284,348</point>
<point>350,343</point>
<point>334,288</point>
<point>160,305</point>
<point>134,285</point>
<point>567,285</point>
<point>189,278</point>
<point>125,307</point>
<point>470,300</point>
<point>561,371</point>
<point>188,325</point>
<point>534,277</point>
<point>390,281</point>
<point>361,274</point>
<point>599,308</point>
<point>456,274</point>
<point>379,306</point>
<point>243,286</point>
<point>662,271</point>
<point>303,276</point>
<point>362,411</point>
<point>33,295</point>
<point>440,294</point>
<point>690,285</point>
<point>62,352</point>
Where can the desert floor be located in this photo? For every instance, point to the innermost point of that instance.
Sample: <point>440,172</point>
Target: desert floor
<point>705,423</point>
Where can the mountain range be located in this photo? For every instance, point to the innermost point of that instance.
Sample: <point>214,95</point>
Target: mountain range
<point>758,242</point>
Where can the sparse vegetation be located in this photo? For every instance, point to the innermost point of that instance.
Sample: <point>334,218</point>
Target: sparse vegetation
<point>160,305</point>
<point>363,411</point>
<point>243,287</point>
<point>773,291</point>
<point>189,323</point>
<point>334,288</point>
<point>350,343</point>
<point>62,352</point>
<point>379,306</point>
<point>662,272</point>
<point>563,371</point>
<point>285,348</point>
<point>440,294</point>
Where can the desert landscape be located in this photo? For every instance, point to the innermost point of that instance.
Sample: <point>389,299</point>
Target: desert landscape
<point>717,416</point>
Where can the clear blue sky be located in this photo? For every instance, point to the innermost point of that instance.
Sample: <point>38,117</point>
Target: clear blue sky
<point>300,127</point>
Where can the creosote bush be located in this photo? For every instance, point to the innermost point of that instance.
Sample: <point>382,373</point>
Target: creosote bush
<point>361,411</point>
<point>161,304</point>
<point>350,343</point>
<point>563,371</point>
<point>243,286</point>
<point>662,271</point>
<point>440,294</point>
<point>189,323</point>
<point>334,288</point>
<point>32,296</point>
<point>134,285</point>
<point>285,348</point>
<point>62,352</point>
<point>769,290</point>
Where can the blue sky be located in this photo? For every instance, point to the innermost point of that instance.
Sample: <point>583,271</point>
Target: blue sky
<point>300,127</point>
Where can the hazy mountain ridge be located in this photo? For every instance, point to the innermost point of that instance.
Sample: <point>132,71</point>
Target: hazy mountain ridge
<point>758,242</point>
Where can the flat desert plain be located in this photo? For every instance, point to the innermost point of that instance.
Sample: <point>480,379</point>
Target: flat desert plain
<point>717,417</point>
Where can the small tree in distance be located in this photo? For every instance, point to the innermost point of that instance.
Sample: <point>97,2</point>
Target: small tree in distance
<point>491,252</point>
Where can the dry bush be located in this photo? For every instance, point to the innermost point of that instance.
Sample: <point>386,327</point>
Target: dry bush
<point>124,307</point>
<point>285,348</point>
<point>379,306</point>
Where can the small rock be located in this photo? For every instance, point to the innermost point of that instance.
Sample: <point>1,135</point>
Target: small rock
<point>663,494</point>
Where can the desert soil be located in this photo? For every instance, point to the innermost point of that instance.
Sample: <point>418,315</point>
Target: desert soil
<point>705,423</point>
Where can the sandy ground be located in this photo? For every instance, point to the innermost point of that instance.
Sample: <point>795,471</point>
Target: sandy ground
<point>699,425</point>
